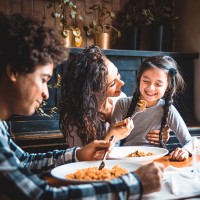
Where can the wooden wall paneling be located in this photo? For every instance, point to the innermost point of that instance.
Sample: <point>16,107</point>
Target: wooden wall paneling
<point>50,21</point>
<point>5,6</point>
<point>117,5</point>
<point>38,8</point>
<point>27,7</point>
<point>16,6</point>
<point>55,22</point>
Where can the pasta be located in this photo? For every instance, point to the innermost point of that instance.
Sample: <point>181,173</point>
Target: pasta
<point>140,154</point>
<point>142,104</point>
<point>93,174</point>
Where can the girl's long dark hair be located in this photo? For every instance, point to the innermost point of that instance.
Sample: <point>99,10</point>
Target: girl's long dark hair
<point>83,93</point>
<point>175,84</point>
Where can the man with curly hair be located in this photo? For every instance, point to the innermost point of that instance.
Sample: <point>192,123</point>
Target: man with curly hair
<point>28,53</point>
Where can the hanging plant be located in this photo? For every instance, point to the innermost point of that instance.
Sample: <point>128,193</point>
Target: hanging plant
<point>65,11</point>
<point>99,23</point>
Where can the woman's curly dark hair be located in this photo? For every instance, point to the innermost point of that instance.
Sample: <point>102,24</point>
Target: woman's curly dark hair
<point>83,93</point>
<point>26,42</point>
<point>175,84</point>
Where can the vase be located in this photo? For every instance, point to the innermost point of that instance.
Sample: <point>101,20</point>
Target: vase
<point>68,39</point>
<point>102,40</point>
<point>160,38</point>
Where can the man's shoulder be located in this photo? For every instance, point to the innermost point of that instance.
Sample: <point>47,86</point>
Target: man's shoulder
<point>3,127</point>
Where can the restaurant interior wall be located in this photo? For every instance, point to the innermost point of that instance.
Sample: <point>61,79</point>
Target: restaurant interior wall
<point>187,39</point>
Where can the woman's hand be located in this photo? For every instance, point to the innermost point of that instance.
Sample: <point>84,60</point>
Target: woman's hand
<point>179,154</point>
<point>153,136</point>
<point>120,129</point>
<point>94,150</point>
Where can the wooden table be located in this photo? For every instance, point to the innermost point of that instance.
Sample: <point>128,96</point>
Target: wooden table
<point>164,160</point>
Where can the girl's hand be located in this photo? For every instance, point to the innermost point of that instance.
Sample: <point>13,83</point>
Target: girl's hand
<point>120,130</point>
<point>179,154</point>
<point>153,136</point>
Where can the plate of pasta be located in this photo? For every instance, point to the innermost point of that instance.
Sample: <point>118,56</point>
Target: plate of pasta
<point>137,154</point>
<point>87,172</point>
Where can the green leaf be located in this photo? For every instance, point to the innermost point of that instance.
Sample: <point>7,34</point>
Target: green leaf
<point>71,4</point>
<point>65,33</point>
<point>79,17</point>
<point>94,23</point>
<point>89,32</point>
<point>112,14</point>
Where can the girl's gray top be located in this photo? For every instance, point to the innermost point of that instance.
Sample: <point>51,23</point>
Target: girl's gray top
<point>151,119</point>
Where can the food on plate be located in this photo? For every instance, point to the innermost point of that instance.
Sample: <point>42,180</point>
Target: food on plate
<point>142,104</point>
<point>140,154</point>
<point>93,174</point>
<point>141,107</point>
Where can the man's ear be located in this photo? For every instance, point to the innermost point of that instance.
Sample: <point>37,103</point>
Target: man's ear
<point>11,75</point>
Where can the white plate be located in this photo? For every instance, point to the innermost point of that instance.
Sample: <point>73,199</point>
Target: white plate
<point>61,171</point>
<point>121,153</point>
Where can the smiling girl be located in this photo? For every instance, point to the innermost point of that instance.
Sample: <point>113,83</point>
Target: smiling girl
<point>158,81</point>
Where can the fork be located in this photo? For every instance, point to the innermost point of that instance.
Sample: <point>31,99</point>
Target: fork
<point>162,144</point>
<point>137,110</point>
<point>102,164</point>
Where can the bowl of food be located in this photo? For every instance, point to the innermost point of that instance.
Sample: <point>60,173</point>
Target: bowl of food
<point>87,172</point>
<point>137,154</point>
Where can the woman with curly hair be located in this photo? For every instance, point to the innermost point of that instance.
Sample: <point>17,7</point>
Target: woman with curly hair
<point>86,107</point>
<point>158,81</point>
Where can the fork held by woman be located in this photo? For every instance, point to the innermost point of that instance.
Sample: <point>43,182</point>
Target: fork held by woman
<point>102,165</point>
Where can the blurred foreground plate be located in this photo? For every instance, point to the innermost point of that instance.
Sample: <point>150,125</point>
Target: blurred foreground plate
<point>121,153</point>
<point>63,170</point>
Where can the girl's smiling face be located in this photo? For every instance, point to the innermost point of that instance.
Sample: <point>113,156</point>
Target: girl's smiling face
<point>153,84</point>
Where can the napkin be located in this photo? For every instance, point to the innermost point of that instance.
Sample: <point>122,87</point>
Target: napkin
<point>178,183</point>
